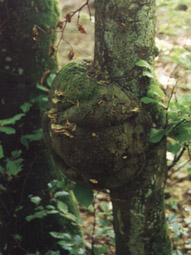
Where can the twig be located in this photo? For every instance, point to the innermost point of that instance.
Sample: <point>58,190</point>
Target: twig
<point>176,159</point>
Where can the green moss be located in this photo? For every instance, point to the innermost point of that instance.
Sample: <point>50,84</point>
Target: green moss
<point>75,84</point>
<point>17,39</point>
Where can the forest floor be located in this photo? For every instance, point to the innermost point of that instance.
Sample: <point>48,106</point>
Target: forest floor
<point>173,32</point>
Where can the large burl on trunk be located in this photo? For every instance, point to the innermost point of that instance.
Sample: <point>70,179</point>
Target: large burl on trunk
<point>94,129</point>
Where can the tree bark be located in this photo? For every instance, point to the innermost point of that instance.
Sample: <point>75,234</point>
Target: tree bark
<point>125,34</point>
<point>98,130</point>
<point>24,59</point>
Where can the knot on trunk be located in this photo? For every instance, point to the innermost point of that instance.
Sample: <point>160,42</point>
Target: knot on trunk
<point>95,130</point>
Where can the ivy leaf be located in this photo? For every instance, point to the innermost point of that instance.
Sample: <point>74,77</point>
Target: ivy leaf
<point>83,194</point>
<point>156,135</point>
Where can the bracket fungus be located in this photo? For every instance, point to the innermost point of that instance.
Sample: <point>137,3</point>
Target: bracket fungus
<point>95,130</point>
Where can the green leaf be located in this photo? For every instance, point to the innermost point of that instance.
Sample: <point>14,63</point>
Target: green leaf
<point>13,167</point>
<point>36,200</point>
<point>174,148</point>
<point>8,130</point>
<point>156,135</point>
<point>100,250</point>
<point>1,151</point>
<point>42,88</point>
<point>60,235</point>
<point>148,74</point>
<point>2,188</point>
<point>61,194</point>
<point>83,194</point>
<point>37,215</point>
<point>143,63</point>
<point>148,100</point>
<point>156,90</point>
<point>62,207</point>
<point>25,107</point>
<point>36,136</point>
<point>50,79</point>
<point>16,153</point>
<point>11,121</point>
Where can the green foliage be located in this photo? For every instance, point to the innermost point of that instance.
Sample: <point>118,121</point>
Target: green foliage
<point>36,136</point>
<point>70,243</point>
<point>83,194</point>
<point>11,121</point>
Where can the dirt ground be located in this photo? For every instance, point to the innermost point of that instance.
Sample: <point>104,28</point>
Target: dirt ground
<point>178,188</point>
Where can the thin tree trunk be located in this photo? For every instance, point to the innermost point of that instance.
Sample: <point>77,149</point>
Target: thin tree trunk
<point>125,34</point>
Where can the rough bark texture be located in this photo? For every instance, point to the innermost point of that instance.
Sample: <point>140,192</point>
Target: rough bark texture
<point>23,62</point>
<point>98,130</point>
<point>125,33</point>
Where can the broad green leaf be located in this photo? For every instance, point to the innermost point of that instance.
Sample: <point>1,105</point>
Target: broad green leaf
<point>143,63</point>
<point>37,215</point>
<point>36,200</point>
<point>174,148</point>
<point>148,74</point>
<point>8,130</point>
<point>36,136</point>
<point>25,107</point>
<point>156,135</point>
<point>62,207</point>
<point>1,151</point>
<point>61,194</point>
<point>83,194</point>
<point>148,100</point>
<point>156,90</point>
<point>13,167</point>
<point>11,121</point>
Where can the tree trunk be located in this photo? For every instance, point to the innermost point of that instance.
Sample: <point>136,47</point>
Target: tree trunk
<point>25,38</point>
<point>99,131</point>
<point>125,34</point>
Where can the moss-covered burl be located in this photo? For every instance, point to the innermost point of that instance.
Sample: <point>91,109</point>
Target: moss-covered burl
<point>94,129</point>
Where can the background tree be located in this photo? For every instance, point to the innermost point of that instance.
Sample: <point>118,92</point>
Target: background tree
<point>100,130</point>
<point>26,34</point>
